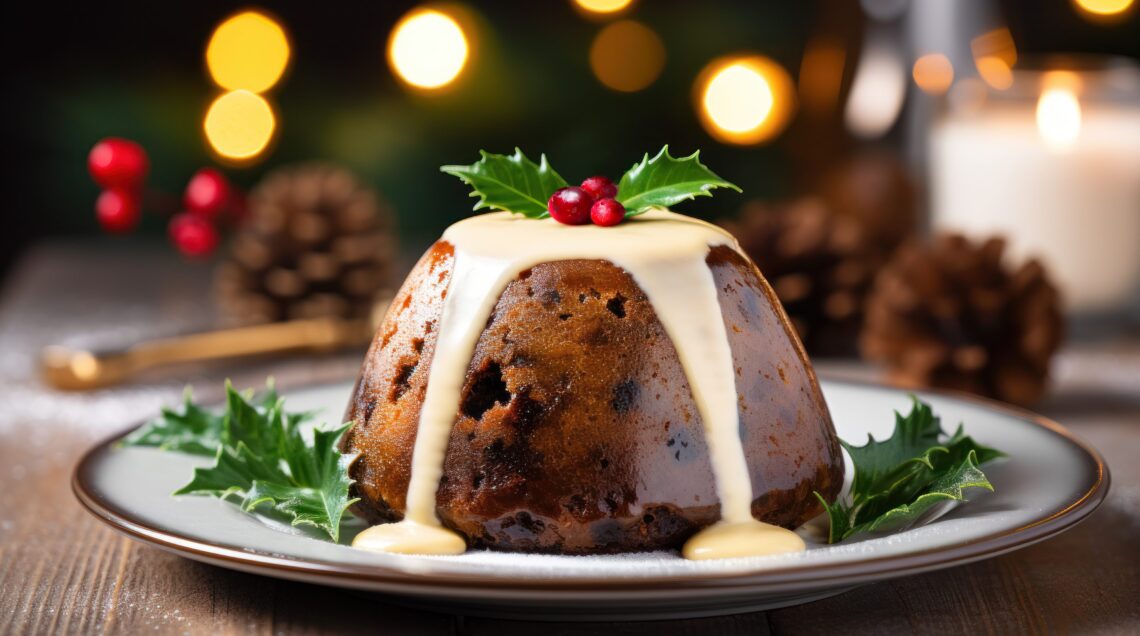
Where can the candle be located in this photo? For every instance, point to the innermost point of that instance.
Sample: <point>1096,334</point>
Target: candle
<point>1058,176</point>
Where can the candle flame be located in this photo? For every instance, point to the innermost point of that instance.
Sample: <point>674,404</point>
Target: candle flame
<point>1059,117</point>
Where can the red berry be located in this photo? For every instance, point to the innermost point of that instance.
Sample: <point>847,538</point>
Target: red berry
<point>570,206</point>
<point>117,210</point>
<point>607,212</point>
<point>600,188</point>
<point>193,234</point>
<point>207,193</point>
<point>118,163</point>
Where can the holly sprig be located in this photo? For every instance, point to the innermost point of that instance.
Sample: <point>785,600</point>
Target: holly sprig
<point>510,182</point>
<point>899,479</point>
<point>664,181</point>
<point>265,458</point>
<point>516,184</point>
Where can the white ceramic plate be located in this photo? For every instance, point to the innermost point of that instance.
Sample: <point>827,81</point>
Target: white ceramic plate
<point>1051,481</point>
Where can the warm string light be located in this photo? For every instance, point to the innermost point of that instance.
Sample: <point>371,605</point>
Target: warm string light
<point>247,51</point>
<point>821,75</point>
<point>745,100</point>
<point>247,54</point>
<point>427,49</point>
<point>239,125</point>
<point>602,7</point>
<point>877,92</point>
<point>627,56</point>
<point>933,73</point>
<point>1100,9</point>
<point>994,57</point>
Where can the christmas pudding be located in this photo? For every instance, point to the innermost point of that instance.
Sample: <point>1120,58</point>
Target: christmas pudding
<point>604,376</point>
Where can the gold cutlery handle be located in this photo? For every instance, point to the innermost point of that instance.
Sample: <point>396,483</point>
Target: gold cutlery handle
<point>77,369</point>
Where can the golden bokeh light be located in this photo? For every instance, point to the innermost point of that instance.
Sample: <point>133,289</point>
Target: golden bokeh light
<point>994,57</point>
<point>745,100</point>
<point>933,73</point>
<point>821,75</point>
<point>1059,110</point>
<point>427,49</point>
<point>995,72</point>
<point>239,125</point>
<point>602,6</point>
<point>248,51</point>
<point>627,56</point>
<point>1103,8</point>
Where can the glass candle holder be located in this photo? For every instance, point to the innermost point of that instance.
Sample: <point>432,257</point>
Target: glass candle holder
<point>1048,156</point>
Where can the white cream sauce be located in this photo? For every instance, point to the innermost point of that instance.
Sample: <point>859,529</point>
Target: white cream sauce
<point>665,254</point>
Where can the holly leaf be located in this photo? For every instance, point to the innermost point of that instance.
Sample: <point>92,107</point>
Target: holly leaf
<point>901,478</point>
<point>321,504</point>
<point>266,457</point>
<point>512,183</point>
<point>949,485</point>
<point>878,462</point>
<point>194,431</point>
<point>664,181</point>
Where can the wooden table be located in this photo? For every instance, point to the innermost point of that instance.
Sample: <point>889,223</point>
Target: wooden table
<point>61,571</point>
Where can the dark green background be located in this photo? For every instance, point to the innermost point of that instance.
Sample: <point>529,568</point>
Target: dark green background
<point>76,73</point>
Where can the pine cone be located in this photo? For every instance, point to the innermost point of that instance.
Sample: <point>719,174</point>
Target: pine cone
<point>316,243</point>
<point>819,264</point>
<point>875,190</point>
<point>950,315</point>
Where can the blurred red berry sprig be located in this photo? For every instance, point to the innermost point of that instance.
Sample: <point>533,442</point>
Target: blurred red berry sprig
<point>120,167</point>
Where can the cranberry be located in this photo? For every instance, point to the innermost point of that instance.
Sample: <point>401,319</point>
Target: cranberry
<point>193,234</point>
<point>600,188</point>
<point>118,163</point>
<point>607,212</point>
<point>207,193</point>
<point>570,206</point>
<point>117,210</point>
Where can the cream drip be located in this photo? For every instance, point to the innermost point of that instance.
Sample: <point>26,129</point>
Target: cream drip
<point>665,254</point>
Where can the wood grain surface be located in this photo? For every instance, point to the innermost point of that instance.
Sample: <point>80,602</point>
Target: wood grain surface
<point>63,572</point>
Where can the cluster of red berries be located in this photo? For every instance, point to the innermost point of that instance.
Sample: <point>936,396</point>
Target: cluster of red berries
<point>592,202</point>
<point>120,167</point>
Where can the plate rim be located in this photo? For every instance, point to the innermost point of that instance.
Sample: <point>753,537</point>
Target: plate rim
<point>379,576</point>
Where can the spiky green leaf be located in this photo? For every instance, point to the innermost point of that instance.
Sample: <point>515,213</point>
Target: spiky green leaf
<point>510,182</point>
<point>899,479</point>
<point>266,457</point>
<point>664,181</point>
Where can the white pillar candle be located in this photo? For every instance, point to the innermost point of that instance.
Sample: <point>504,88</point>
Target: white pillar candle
<point>1059,178</point>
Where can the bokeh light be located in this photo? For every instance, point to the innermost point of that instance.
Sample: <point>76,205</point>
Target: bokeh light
<point>1103,8</point>
<point>427,49</point>
<point>877,92</point>
<point>239,125</point>
<point>933,73</point>
<point>627,56</point>
<point>602,6</point>
<point>994,57</point>
<point>745,100</point>
<point>821,75</point>
<point>1059,110</point>
<point>248,51</point>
